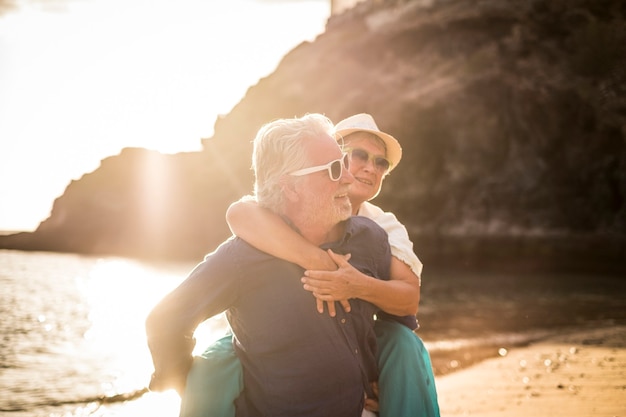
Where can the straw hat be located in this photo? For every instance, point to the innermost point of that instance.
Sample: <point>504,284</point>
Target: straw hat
<point>363,122</point>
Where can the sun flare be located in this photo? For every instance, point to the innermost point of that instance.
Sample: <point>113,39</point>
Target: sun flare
<point>120,293</point>
<point>82,80</point>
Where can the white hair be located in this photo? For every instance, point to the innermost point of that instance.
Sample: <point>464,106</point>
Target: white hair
<point>279,149</point>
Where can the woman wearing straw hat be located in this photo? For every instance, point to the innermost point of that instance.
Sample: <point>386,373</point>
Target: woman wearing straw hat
<point>406,381</point>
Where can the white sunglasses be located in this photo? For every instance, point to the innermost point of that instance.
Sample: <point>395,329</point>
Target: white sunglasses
<point>335,168</point>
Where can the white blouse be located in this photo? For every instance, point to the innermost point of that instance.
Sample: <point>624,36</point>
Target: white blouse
<point>401,245</point>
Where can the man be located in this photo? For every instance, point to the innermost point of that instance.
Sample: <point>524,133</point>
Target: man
<point>406,381</point>
<point>295,361</point>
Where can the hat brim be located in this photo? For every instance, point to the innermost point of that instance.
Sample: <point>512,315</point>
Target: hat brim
<point>394,150</point>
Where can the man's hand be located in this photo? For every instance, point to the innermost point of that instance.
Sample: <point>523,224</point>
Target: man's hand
<point>158,385</point>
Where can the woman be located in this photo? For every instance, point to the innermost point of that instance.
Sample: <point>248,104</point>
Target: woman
<point>406,382</point>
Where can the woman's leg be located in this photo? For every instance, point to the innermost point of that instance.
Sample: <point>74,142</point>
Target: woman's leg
<point>406,382</point>
<point>214,382</point>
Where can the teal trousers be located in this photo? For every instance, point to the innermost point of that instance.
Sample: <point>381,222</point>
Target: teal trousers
<point>406,381</point>
<point>214,382</point>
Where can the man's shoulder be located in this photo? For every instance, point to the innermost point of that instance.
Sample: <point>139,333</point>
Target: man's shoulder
<point>359,221</point>
<point>235,248</point>
<point>360,226</point>
<point>369,245</point>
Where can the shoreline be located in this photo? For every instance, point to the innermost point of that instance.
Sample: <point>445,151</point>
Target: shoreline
<point>577,374</point>
<point>567,253</point>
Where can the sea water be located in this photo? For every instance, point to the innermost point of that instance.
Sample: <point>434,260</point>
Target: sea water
<point>73,332</point>
<point>73,341</point>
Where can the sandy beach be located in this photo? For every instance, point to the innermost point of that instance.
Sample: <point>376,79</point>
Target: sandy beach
<point>574,374</point>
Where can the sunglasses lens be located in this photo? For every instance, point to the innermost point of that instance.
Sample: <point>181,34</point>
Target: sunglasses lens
<point>382,164</point>
<point>335,170</point>
<point>360,155</point>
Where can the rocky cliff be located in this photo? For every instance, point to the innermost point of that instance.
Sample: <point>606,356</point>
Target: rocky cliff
<point>511,114</point>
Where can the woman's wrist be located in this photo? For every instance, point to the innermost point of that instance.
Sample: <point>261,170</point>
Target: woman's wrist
<point>318,260</point>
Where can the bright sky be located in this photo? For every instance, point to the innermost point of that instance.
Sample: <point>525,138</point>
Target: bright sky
<point>82,80</point>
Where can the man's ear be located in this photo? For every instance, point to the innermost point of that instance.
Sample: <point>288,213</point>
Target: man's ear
<point>290,189</point>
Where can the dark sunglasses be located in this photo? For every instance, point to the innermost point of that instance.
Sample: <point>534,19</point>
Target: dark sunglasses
<point>382,164</point>
<point>335,168</point>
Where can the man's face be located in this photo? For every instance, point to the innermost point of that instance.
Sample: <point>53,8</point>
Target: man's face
<point>325,201</point>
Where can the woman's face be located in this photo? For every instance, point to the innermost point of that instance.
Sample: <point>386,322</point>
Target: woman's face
<point>368,174</point>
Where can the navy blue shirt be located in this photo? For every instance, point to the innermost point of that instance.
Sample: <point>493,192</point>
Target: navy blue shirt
<point>296,361</point>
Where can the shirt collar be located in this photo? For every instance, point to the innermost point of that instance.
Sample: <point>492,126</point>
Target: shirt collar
<point>348,231</point>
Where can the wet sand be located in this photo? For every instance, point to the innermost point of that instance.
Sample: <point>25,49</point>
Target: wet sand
<point>576,374</point>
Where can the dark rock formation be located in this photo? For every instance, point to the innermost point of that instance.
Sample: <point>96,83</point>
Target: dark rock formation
<point>139,203</point>
<point>511,114</point>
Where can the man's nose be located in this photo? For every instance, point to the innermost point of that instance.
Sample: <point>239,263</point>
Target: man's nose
<point>347,177</point>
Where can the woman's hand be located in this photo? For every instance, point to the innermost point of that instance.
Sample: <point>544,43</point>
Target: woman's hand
<point>331,286</point>
<point>371,404</point>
